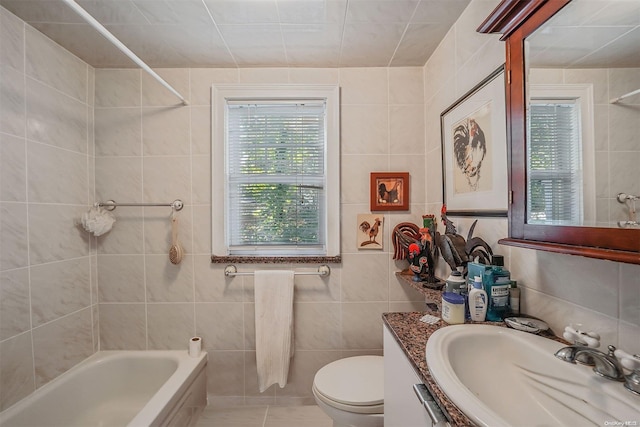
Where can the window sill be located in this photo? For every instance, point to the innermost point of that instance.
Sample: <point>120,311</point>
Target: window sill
<point>276,260</point>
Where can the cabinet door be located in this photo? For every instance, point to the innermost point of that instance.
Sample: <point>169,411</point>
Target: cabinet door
<point>401,405</point>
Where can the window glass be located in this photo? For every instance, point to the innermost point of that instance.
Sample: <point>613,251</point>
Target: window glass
<point>275,172</point>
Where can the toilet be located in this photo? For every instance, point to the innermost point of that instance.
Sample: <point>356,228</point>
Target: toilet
<point>351,391</point>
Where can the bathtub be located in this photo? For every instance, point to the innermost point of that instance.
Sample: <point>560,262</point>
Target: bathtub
<point>118,388</point>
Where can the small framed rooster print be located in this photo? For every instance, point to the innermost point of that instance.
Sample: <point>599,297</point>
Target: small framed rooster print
<point>370,231</point>
<point>389,191</point>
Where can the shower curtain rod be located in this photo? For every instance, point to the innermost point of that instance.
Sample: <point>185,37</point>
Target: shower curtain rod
<point>620,98</point>
<point>124,49</point>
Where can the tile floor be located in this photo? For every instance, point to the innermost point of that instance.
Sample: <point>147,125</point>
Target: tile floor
<point>264,416</point>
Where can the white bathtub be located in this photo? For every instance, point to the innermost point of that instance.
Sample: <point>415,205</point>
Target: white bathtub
<point>118,388</point>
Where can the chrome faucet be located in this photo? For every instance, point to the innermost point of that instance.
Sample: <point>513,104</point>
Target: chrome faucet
<point>606,365</point>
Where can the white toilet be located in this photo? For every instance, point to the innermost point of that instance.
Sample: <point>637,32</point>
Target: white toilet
<point>351,391</point>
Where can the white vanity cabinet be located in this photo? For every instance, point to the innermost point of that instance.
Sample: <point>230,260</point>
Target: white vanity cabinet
<point>402,407</point>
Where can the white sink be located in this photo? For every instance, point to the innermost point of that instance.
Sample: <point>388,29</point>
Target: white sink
<point>503,377</point>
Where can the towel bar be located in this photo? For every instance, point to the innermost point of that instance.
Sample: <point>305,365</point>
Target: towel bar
<point>111,205</point>
<point>323,270</point>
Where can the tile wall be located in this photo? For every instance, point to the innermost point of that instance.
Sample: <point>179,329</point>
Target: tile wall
<point>561,289</point>
<point>48,298</point>
<point>150,148</point>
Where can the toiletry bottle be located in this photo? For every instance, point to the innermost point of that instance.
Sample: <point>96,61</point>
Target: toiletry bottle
<point>455,283</point>
<point>496,283</point>
<point>514,298</point>
<point>478,301</point>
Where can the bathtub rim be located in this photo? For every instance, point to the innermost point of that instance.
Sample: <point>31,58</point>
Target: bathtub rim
<point>187,370</point>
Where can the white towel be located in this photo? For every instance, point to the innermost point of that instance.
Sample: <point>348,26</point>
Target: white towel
<point>274,326</point>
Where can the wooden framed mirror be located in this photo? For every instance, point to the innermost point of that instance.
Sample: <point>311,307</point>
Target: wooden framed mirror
<point>518,21</point>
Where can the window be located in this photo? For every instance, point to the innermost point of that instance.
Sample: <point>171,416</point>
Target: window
<point>275,178</point>
<point>559,152</point>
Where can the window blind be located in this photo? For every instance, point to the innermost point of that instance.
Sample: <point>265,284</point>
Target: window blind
<point>554,162</point>
<point>276,175</point>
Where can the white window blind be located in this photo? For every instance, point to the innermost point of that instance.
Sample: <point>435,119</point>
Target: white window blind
<point>275,171</point>
<point>276,176</point>
<point>554,160</point>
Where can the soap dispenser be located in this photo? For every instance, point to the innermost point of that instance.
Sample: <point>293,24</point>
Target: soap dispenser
<point>478,301</point>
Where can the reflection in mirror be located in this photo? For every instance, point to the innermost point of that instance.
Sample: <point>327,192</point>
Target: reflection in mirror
<point>583,115</point>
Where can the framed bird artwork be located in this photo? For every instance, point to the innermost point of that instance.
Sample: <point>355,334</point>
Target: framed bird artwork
<point>389,191</point>
<point>369,233</point>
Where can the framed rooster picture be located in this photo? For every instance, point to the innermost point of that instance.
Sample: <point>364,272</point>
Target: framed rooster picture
<point>474,151</point>
<point>369,233</point>
<point>389,191</point>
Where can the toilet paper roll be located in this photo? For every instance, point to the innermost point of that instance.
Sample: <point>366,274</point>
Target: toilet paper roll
<point>195,346</point>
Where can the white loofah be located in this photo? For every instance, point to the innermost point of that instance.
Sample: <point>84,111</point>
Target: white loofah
<point>97,221</point>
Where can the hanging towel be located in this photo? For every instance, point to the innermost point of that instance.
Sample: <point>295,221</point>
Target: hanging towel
<point>274,326</point>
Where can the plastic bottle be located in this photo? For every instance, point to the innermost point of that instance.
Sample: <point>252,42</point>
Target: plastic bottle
<point>478,301</point>
<point>452,308</point>
<point>496,283</point>
<point>455,283</point>
<point>514,298</point>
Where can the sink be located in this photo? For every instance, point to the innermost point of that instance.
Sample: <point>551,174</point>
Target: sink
<point>502,377</point>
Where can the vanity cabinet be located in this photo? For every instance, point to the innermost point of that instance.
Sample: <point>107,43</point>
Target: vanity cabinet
<point>402,407</point>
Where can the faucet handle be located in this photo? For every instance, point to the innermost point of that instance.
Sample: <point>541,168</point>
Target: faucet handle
<point>631,362</point>
<point>588,339</point>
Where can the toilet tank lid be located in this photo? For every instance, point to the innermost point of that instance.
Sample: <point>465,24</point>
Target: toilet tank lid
<point>356,381</point>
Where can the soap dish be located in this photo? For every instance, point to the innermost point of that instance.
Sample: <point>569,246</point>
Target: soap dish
<point>526,324</point>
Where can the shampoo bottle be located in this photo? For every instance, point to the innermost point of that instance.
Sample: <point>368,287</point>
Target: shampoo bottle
<point>478,301</point>
<point>496,283</point>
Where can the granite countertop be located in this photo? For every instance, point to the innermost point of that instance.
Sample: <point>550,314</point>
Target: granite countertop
<point>412,335</point>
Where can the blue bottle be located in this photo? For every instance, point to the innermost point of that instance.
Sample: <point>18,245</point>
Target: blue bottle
<point>496,281</point>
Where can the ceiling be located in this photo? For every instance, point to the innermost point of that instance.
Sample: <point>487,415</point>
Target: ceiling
<point>249,33</point>
<point>589,34</point>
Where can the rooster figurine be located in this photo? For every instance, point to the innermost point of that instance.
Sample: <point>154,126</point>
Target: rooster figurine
<point>417,246</point>
<point>421,257</point>
<point>455,250</point>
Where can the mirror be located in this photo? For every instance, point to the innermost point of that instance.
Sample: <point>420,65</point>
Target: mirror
<point>583,115</point>
<point>562,44</point>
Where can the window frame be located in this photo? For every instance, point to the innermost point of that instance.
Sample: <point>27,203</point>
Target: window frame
<point>220,94</point>
<point>582,96</point>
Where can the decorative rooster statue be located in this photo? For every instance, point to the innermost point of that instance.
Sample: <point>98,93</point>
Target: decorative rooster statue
<point>421,258</point>
<point>418,246</point>
<point>455,250</point>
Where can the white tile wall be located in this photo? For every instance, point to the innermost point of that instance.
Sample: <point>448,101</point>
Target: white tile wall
<point>47,323</point>
<point>166,156</point>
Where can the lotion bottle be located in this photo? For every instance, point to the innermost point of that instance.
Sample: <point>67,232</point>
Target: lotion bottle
<point>478,301</point>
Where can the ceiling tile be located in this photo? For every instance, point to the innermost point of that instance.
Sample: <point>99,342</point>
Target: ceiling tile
<point>42,11</point>
<point>418,43</point>
<point>439,11</point>
<point>186,12</point>
<point>625,55</point>
<point>254,45</point>
<point>312,45</point>
<point>564,45</point>
<point>312,11</point>
<point>113,12</point>
<point>243,12</point>
<point>380,10</point>
<point>369,44</point>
